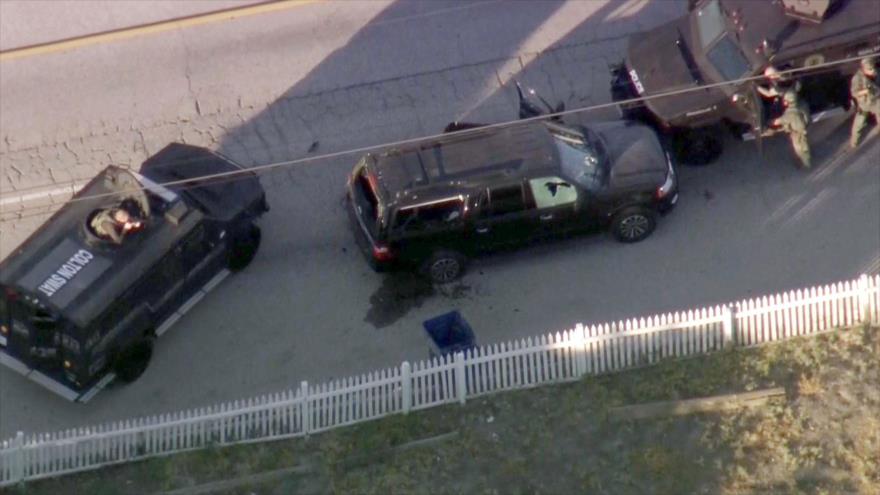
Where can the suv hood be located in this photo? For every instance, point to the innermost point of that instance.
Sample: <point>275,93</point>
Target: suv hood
<point>660,60</point>
<point>635,157</point>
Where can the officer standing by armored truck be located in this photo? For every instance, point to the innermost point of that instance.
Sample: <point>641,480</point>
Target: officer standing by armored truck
<point>865,90</point>
<point>705,64</point>
<point>794,121</point>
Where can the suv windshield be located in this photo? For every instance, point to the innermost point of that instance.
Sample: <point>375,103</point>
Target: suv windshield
<point>580,156</point>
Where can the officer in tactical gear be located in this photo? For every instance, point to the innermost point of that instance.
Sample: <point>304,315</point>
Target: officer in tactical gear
<point>865,90</point>
<point>775,85</point>
<point>114,223</point>
<point>794,120</point>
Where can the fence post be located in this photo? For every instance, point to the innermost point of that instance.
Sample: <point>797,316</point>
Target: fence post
<point>865,299</point>
<point>306,410</point>
<point>580,350</point>
<point>18,458</point>
<point>406,386</point>
<point>460,381</point>
<point>728,323</point>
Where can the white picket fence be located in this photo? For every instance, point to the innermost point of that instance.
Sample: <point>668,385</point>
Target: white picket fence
<point>547,359</point>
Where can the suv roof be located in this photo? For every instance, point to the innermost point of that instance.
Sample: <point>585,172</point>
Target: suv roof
<point>95,273</point>
<point>465,160</point>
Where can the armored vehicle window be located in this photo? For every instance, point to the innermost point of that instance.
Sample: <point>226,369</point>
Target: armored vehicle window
<point>42,319</point>
<point>506,199</point>
<point>710,22</point>
<point>70,343</point>
<point>195,248</point>
<point>728,59</point>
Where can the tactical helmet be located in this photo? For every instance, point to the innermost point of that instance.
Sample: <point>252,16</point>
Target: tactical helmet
<point>790,97</point>
<point>868,63</point>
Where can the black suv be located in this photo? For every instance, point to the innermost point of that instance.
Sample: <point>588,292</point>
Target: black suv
<point>433,205</point>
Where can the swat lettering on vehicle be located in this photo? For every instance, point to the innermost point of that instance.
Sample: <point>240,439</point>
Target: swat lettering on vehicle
<point>67,271</point>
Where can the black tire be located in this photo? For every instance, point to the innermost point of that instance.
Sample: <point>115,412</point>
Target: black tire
<point>697,147</point>
<point>244,246</point>
<point>444,266</point>
<point>633,224</point>
<point>131,363</point>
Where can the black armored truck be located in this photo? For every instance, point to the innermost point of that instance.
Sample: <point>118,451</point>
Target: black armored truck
<point>722,41</point>
<point>80,307</point>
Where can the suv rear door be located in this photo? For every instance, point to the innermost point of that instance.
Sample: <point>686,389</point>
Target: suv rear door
<point>505,216</point>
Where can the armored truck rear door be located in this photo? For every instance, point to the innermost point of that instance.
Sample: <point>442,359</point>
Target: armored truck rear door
<point>22,335</point>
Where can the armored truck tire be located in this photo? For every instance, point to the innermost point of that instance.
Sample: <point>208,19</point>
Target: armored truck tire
<point>132,361</point>
<point>633,224</point>
<point>244,245</point>
<point>697,147</point>
<point>444,266</point>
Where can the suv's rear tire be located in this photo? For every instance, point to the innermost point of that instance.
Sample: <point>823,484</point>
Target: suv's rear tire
<point>444,266</point>
<point>131,363</point>
<point>633,224</point>
<point>244,245</point>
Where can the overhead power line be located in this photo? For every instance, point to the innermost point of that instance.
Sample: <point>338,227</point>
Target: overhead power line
<point>188,183</point>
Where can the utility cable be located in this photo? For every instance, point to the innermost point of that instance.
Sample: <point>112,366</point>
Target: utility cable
<point>188,182</point>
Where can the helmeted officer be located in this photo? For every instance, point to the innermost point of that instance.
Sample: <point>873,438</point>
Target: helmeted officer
<point>865,90</point>
<point>113,224</point>
<point>794,121</point>
<point>775,85</point>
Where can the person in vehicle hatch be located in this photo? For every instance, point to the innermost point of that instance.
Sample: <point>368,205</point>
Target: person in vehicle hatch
<point>794,121</point>
<point>865,90</point>
<point>114,224</point>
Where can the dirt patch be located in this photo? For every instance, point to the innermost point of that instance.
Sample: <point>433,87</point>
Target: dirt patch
<point>822,437</point>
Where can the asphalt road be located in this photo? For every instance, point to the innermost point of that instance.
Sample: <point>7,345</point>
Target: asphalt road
<point>309,308</point>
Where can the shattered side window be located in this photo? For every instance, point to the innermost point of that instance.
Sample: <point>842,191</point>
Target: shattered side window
<point>429,216</point>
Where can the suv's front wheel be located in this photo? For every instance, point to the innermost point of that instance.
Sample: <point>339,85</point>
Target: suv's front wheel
<point>633,224</point>
<point>444,266</point>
